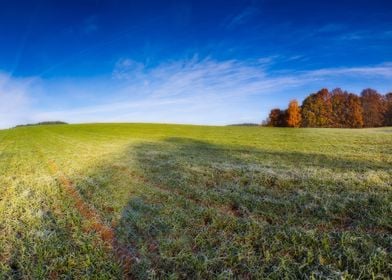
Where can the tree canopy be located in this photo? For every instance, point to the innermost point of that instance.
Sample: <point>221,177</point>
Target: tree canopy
<point>336,108</point>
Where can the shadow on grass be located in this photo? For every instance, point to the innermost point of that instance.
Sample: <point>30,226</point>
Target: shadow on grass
<point>198,210</point>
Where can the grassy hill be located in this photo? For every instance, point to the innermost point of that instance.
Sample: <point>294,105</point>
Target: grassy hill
<point>175,201</point>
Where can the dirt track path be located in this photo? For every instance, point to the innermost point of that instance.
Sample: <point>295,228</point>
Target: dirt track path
<point>94,221</point>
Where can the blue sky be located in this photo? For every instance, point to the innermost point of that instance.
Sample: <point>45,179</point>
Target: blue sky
<point>201,62</point>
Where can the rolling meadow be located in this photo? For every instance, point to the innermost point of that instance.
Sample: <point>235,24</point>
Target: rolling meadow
<point>113,201</point>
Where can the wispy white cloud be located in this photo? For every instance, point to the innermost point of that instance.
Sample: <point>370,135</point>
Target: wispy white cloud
<point>208,78</point>
<point>127,69</point>
<point>15,102</point>
<point>187,91</point>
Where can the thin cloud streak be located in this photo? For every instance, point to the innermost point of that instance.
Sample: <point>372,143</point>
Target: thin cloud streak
<point>242,17</point>
<point>378,71</point>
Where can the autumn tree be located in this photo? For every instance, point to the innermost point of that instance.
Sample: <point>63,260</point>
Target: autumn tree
<point>317,110</point>
<point>373,106</point>
<point>346,109</point>
<point>388,109</point>
<point>354,116</point>
<point>336,109</point>
<point>339,100</point>
<point>283,118</point>
<point>277,117</point>
<point>308,114</point>
<point>273,118</point>
<point>293,114</point>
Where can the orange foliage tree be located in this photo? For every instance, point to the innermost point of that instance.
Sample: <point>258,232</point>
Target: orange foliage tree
<point>354,114</point>
<point>294,114</point>
<point>317,110</point>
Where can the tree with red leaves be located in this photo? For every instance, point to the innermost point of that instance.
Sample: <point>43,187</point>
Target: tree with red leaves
<point>388,109</point>
<point>277,117</point>
<point>373,105</point>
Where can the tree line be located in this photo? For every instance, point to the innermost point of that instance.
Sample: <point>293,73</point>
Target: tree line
<point>41,123</point>
<point>336,108</point>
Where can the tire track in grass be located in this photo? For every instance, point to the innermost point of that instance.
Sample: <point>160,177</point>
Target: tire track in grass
<point>95,223</point>
<point>222,209</point>
<point>230,211</point>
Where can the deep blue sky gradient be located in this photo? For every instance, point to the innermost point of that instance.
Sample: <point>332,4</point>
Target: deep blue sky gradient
<point>62,55</point>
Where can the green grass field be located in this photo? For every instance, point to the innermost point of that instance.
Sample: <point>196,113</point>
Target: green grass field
<point>106,201</point>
